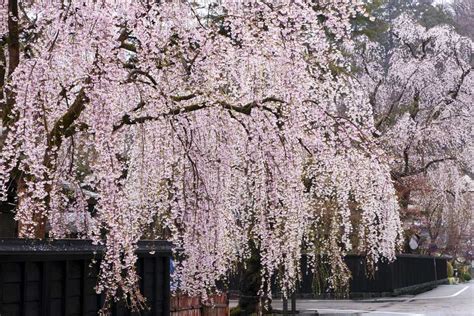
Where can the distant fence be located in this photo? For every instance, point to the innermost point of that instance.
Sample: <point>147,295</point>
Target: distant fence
<point>40,278</point>
<point>407,274</point>
<point>183,305</point>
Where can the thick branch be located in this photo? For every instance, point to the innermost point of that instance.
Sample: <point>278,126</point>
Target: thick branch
<point>13,36</point>
<point>3,73</point>
<point>395,102</point>
<point>61,127</point>
<point>455,92</point>
<point>127,120</point>
<point>244,109</point>
<point>123,39</point>
<point>7,97</point>
<point>429,164</point>
<point>136,72</point>
<point>373,95</point>
<point>407,173</point>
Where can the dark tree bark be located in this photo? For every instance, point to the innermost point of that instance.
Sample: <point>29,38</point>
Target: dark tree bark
<point>8,227</point>
<point>7,101</point>
<point>13,43</point>
<point>13,36</point>
<point>250,283</point>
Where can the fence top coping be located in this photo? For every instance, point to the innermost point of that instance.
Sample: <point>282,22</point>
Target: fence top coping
<point>17,246</point>
<point>409,255</point>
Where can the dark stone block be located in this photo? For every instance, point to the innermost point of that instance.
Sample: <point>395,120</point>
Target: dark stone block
<point>11,272</point>
<point>7,225</point>
<point>74,287</point>
<point>56,307</point>
<point>11,309</point>
<point>73,305</point>
<point>32,309</point>
<point>56,271</point>
<point>11,292</point>
<point>33,271</point>
<point>75,269</point>
<point>56,289</point>
<point>33,291</point>
<point>90,303</point>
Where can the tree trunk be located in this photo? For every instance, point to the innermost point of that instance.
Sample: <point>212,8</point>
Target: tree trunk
<point>39,229</point>
<point>8,227</point>
<point>250,283</point>
<point>13,36</point>
<point>13,46</point>
<point>13,42</point>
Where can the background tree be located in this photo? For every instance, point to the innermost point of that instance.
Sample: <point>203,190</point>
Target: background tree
<point>385,12</point>
<point>445,201</point>
<point>463,12</point>
<point>421,94</point>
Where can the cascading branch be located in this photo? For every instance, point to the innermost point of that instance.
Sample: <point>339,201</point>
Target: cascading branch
<point>210,125</point>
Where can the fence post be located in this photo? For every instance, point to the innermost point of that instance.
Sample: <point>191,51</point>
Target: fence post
<point>285,306</point>
<point>293,303</point>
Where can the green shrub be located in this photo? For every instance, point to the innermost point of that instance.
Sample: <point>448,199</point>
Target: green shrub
<point>466,276</point>
<point>235,311</point>
<point>450,270</point>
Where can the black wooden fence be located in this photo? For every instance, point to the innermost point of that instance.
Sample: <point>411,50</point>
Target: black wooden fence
<point>407,274</point>
<point>40,278</point>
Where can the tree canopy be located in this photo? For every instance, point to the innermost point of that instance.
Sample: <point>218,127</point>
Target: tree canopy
<point>210,125</point>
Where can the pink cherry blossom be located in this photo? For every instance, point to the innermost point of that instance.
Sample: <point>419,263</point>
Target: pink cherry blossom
<point>209,125</point>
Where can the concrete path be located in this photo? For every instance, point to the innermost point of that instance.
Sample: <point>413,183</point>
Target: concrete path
<point>444,300</point>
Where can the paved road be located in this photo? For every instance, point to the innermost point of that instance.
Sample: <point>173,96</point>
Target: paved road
<point>444,300</point>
